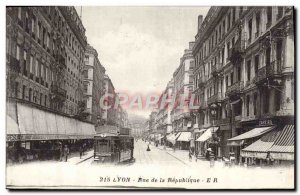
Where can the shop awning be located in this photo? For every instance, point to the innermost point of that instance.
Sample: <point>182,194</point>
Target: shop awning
<point>12,126</point>
<point>173,138</point>
<point>283,147</point>
<point>37,124</point>
<point>263,144</point>
<point>207,134</point>
<point>185,137</point>
<point>252,133</point>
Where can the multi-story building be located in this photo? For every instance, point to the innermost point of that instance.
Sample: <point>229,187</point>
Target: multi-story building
<point>163,118</point>
<point>183,87</point>
<point>45,52</point>
<point>152,119</point>
<point>244,71</point>
<point>93,85</point>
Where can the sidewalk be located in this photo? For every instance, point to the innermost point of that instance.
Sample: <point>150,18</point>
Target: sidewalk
<point>75,158</point>
<point>183,155</point>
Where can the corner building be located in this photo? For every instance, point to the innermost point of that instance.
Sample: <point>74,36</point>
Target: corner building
<point>244,73</point>
<point>44,57</point>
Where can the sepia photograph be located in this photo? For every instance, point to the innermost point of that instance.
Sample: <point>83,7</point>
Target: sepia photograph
<point>150,97</point>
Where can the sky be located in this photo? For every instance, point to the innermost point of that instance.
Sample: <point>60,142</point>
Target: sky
<point>140,47</point>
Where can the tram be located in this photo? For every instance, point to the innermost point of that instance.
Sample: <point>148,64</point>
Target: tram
<point>113,147</point>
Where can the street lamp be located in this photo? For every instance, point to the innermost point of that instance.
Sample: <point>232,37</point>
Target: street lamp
<point>213,112</point>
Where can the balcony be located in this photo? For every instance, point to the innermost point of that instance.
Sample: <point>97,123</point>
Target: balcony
<point>202,81</point>
<point>14,64</point>
<point>235,54</point>
<point>215,98</point>
<point>272,71</point>
<point>59,93</point>
<point>61,60</point>
<point>235,89</point>
<point>238,118</point>
<point>223,121</point>
<point>203,105</point>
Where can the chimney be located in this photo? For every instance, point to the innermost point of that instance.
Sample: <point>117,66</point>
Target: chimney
<point>200,20</point>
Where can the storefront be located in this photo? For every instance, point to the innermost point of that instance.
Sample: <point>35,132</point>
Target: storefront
<point>38,134</point>
<point>172,138</point>
<point>184,140</point>
<point>206,141</point>
<point>241,141</point>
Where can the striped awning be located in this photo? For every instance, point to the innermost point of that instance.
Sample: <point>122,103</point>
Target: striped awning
<point>37,124</point>
<point>285,141</point>
<point>252,133</point>
<point>264,143</point>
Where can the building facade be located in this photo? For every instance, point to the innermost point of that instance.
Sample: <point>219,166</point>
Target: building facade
<point>244,70</point>
<point>93,85</point>
<point>44,57</point>
<point>183,88</point>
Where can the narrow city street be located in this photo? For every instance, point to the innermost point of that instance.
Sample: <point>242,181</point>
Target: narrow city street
<point>157,163</point>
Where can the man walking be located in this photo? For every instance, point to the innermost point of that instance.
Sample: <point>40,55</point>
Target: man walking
<point>80,151</point>
<point>66,153</point>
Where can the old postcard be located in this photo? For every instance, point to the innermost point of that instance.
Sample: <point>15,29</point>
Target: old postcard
<point>103,97</point>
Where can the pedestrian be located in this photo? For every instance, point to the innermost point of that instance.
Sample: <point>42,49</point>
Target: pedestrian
<point>84,148</point>
<point>66,153</point>
<point>61,151</point>
<point>148,148</point>
<point>190,155</point>
<point>80,151</point>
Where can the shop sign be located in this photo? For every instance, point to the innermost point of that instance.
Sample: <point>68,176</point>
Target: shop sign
<point>266,122</point>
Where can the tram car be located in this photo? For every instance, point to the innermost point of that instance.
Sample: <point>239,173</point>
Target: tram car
<point>113,147</point>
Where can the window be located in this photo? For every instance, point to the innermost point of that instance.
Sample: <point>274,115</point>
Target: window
<point>228,21</point>
<point>231,78</point>
<point>34,96</point>
<point>250,30</point>
<point>255,103</point>
<point>48,40</point>
<point>18,53</point>
<point>226,80</point>
<point>41,98</point>
<point>239,74</point>
<point>42,71</point>
<point>32,24</point>
<point>233,15</point>
<point>19,13</point>
<point>248,104</point>
<point>23,92</point>
<point>269,16</point>
<point>38,30</point>
<point>46,74</point>
<point>256,64</point>
<point>31,64</point>
<point>257,24</point>
<point>277,100</point>
<point>279,51</point>
<point>30,94</point>
<point>37,69</point>
<point>248,70</point>
<point>46,99</point>
<point>280,12</point>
